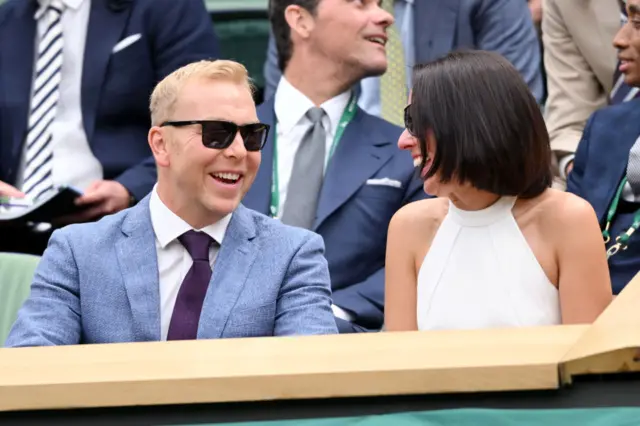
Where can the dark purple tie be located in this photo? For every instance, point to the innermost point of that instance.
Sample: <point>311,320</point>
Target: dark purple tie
<point>186,313</point>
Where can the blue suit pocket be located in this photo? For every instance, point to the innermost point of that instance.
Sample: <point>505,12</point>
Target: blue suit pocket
<point>386,192</point>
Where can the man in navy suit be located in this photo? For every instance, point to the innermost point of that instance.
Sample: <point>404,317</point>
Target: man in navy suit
<point>329,166</point>
<point>75,79</point>
<point>430,29</point>
<point>606,169</point>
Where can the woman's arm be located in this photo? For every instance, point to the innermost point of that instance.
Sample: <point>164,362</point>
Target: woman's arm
<point>400,276</point>
<point>584,282</point>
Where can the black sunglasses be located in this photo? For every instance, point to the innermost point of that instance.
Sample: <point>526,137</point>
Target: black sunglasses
<point>408,121</point>
<point>218,134</point>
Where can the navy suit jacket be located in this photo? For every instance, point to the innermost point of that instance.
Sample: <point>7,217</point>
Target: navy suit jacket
<point>441,26</point>
<point>115,86</point>
<point>353,215</point>
<point>599,165</point>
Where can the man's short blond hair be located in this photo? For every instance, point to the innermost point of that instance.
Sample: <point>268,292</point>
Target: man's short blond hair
<point>165,94</point>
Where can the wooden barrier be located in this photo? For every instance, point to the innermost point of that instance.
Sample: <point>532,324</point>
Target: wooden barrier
<point>262,369</point>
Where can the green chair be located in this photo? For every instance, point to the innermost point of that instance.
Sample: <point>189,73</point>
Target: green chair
<point>242,27</point>
<point>245,40</point>
<point>16,274</point>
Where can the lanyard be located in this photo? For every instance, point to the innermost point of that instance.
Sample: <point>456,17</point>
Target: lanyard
<point>347,115</point>
<point>622,240</point>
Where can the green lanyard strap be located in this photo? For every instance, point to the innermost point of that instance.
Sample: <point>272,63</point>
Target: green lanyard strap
<point>347,115</point>
<point>622,240</point>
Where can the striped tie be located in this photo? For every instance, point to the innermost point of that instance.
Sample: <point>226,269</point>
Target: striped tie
<point>393,83</point>
<point>44,100</point>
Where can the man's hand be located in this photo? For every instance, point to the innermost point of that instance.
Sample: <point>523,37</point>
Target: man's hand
<point>7,190</point>
<point>101,198</point>
<point>535,7</point>
<point>568,168</point>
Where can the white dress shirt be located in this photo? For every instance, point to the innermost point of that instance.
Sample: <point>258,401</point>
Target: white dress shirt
<point>290,107</point>
<point>73,162</point>
<point>174,260</point>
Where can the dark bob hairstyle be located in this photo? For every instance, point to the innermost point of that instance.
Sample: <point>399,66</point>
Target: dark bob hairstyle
<point>488,128</point>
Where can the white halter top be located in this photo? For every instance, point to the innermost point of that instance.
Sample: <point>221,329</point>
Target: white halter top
<point>481,273</point>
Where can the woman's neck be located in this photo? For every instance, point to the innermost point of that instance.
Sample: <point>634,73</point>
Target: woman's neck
<point>472,199</point>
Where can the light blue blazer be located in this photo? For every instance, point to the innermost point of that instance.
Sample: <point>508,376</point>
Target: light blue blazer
<point>98,283</point>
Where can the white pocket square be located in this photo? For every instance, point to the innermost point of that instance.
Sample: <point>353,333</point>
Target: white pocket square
<point>126,42</point>
<point>385,182</point>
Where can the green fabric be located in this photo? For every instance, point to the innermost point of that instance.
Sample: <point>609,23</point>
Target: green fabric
<point>245,40</point>
<point>479,417</point>
<point>234,5</point>
<point>16,273</point>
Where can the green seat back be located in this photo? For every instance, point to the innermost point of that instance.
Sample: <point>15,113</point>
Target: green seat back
<point>16,274</point>
<point>245,40</point>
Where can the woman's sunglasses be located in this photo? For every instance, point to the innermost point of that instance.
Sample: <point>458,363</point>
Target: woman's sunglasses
<point>408,121</point>
<point>218,134</point>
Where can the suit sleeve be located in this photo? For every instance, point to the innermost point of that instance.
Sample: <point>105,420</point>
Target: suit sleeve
<point>181,33</point>
<point>304,302</point>
<point>573,89</point>
<point>51,314</point>
<point>272,72</point>
<point>369,294</point>
<point>574,180</point>
<point>506,27</point>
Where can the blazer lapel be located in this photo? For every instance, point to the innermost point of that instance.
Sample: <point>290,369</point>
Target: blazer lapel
<point>342,179</point>
<point>106,28</point>
<point>258,197</point>
<point>623,134</point>
<point>139,267</point>
<point>16,86</point>
<point>434,27</point>
<point>230,271</point>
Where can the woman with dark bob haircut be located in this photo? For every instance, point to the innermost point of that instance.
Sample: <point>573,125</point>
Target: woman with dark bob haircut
<point>497,247</point>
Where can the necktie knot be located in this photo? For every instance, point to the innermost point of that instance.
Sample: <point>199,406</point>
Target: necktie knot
<point>197,244</point>
<point>315,115</point>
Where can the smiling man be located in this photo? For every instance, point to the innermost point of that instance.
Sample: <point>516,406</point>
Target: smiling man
<point>329,166</point>
<point>607,163</point>
<point>187,262</point>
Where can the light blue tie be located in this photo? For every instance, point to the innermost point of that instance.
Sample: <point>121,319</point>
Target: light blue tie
<point>44,101</point>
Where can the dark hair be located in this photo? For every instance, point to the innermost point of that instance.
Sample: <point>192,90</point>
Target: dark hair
<point>488,128</point>
<point>280,27</point>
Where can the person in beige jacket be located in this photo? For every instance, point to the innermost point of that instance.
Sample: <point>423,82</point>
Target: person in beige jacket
<point>580,61</point>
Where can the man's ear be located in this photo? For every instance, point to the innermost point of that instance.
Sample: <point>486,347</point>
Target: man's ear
<point>158,143</point>
<point>300,20</point>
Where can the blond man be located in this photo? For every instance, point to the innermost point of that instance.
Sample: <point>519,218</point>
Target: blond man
<point>189,261</point>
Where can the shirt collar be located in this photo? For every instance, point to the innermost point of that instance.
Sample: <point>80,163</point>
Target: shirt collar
<point>44,4</point>
<point>291,105</point>
<point>168,226</point>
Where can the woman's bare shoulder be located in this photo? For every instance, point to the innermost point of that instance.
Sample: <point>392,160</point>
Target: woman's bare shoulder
<point>566,210</point>
<point>421,216</point>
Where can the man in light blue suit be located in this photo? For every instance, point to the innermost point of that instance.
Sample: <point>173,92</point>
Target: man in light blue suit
<point>432,28</point>
<point>329,166</point>
<point>187,262</point>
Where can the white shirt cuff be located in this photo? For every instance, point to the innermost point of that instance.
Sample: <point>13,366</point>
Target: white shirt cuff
<point>341,313</point>
<point>562,165</point>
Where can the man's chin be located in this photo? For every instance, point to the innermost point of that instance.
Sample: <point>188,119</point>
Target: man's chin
<point>375,70</point>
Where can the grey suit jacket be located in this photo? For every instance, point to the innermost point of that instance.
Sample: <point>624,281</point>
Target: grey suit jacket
<point>98,283</point>
<point>503,26</point>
